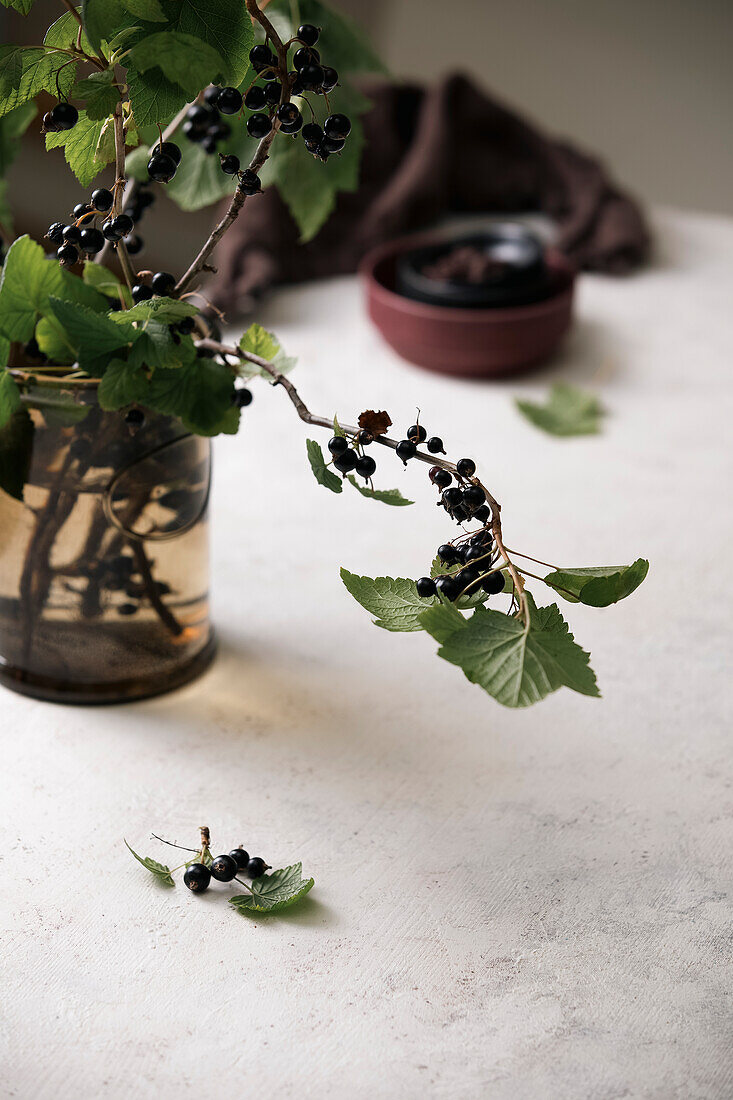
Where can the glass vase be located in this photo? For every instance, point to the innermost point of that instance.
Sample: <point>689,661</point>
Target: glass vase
<point>103,549</point>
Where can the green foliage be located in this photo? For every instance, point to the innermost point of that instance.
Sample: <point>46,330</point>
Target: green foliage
<point>105,281</point>
<point>567,412</point>
<point>12,127</point>
<point>88,146</point>
<point>92,335</point>
<point>516,664</point>
<point>271,893</point>
<point>441,621</point>
<point>258,341</point>
<point>183,59</point>
<point>161,872</point>
<point>9,396</point>
<point>156,309</point>
<point>63,33</point>
<point>100,94</point>
<point>322,474</point>
<point>394,600</point>
<point>26,71</point>
<point>224,25</point>
<point>155,99</point>
<point>23,6</point>
<point>598,587</point>
<point>121,385</point>
<point>386,496</point>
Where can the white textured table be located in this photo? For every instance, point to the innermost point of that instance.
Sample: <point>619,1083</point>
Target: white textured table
<point>508,904</point>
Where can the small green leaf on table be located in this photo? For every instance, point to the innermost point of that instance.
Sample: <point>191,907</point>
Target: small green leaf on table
<point>322,474</point>
<point>271,893</point>
<point>387,496</point>
<point>161,872</point>
<point>598,586</point>
<point>568,411</point>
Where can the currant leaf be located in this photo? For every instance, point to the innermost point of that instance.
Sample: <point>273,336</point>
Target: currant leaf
<point>322,474</point>
<point>598,586</point>
<point>271,893</point>
<point>393,600</point>
<point>161,872</point>
<point>26,71</point>
<point>568,411</point>
<point>386,496</point>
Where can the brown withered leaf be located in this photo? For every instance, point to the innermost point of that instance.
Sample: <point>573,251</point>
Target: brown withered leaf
<point>375,422</point>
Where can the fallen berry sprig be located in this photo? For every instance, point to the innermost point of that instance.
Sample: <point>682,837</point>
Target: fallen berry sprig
<point>266,893</point>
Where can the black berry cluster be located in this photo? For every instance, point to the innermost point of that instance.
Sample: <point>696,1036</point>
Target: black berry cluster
<point>81,235</point>
<point>470,566</point>
<point>165,158</point>
<point>223,868</point>
<point>348,458</point>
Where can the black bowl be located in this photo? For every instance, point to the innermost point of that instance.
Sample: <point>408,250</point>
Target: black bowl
<point>515,275</point>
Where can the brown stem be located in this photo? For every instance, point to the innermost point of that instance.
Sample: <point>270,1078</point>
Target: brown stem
<point>308,417</point>
<point>119,187</point>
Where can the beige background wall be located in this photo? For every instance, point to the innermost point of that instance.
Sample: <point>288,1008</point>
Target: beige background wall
<point>646,83</point>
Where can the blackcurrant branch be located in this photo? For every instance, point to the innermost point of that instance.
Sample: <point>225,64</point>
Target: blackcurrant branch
<point>119,187</point>
<point>308,417</point>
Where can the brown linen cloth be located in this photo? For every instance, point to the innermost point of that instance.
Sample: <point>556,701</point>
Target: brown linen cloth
<point>430,152</point>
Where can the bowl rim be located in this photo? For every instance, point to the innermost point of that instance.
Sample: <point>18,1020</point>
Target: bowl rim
<point>556,260</point>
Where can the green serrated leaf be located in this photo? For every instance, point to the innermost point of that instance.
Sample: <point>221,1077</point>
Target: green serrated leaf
<point>386,496</point>
<point>63,34</point>
<point>322,474</point>
<point>155,347</point>
<point>122,384</point>
<point>27,70</point>
<point>337,429</point>
<point>9,397</point>
<point>155,99</point>
<point>184,60</point>
<point>149,10</point>
<point>22,6</point>
<point>568,411</point>
<point>394,600</point>
<point>54,342</point>
<point>88,147</point>
<point>93,335</point>
<point>168,310</point>
<point>258,341</point>
<point>223,24</point>
<point>442,621</point>
<point>105,281</point>
<point>271,893</point>
<point>99,94</point>
<point>598,586</point>
<point>517,665</point>
<point>161,872</point>
<point>198,393</point>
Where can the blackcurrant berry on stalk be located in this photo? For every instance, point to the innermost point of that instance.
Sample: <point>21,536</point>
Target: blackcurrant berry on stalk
<point>405,450</point>
<point>229,101</point>
<point>134,244</point>
<point>311,76</point>
<point>256,867</point>
<point>473,497</point>
<point>482,514</point>
<point>258,126</point>
<point>346,462</point>
<point>71,234</point>
<point>365,466</point>
<point>161,168</point>
<point>122,225</point>
<point>332,145</point>
<point>242,397</point>
<point>240,857</point>
<point>81,209</point>
<point>448,587</point>
<point>163,283</point>
<point>168,149</point>
<point>141,293</point>
<point>441,478</point>
<point>337,126</point>
<point>229,163</point>
<point>448,554</point>
<point>55,232</point>
<point>262,57</point>
<point>211,95</point>
<point>291,127</point>
<point>494,583</point>
<point>435,445</point>
<point>461,513</point>
<point>288,113</point>
<point>92,240</point>
<point>256,98</point>
<point>197,877</point>
<point>425,587</point>
<point>223,868</point>
<point>272,90</point>
<point>47,123</point>
<point>305,56</point>
<point>364,438</point>
<point>473,552</point>
<point>109,232</point>
<point>250,181</point>
<point>451,498</point>
<point>337,445</point>
<point>417,433</point>
<point>67,255</point>
<point>466,467</point>
<point>308,34</point>
<point>312,132</point>
<point>102,200</point>
<point>64,116</point>
<point>330,78</point>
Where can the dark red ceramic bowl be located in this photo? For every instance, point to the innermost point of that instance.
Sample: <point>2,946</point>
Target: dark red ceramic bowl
<point>477,343</point>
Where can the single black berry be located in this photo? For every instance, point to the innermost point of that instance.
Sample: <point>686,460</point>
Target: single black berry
<point>81,209</point>
<point>250,181</point>
<point>405,449</point>
<point>48,124</point>
<point>305,56</point>
<point>229,101</point>
<point>312,133</point>
<point>242,397</point>
<point>451,498</point>
<point>163,283</point>
<point>416,432</point>
<point>337,126</point>
<point>338,445</point>
<point>272,91</point>
<point>308,34</point>
<point>256,867</point>
<point>425,587</point>
<point>109,232</point>
<point>466,467</point>
<point>288,112</point>
<point>482,514</point>
<point>240,857</point>
<point>448,553</point>
<point>441,478</point>
<point>365,466</point>
<point>473,497</point>
<point>71,234</point>
<point>135,418</point>
<point>448,587</point>
<point>262,57</point>
<point>460,514</point>
<point>311,76</point>
<point>161,168</point>
<point>330,78</point>
<point>141,293</point>
<point>435,445</point>
<point>122,224</point>
<point>292,127</point>
<point>364,438</point>
<point>67,255</point>
<point>64,116</point>
<point>229,163</point>
<point>92,240</point>
<point>55,232</point>
<point>197,877</point>
<point>211,94</point>
<point>494,583</point>
<point>256,98</point>
<point>134,244</point>
<point>258,126</point>
<point>102,200</point>
<point>168,149</point>
<point>224,868</point>
<point>475,551</point>
<point>332,144</point>
<point>346,462</point>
